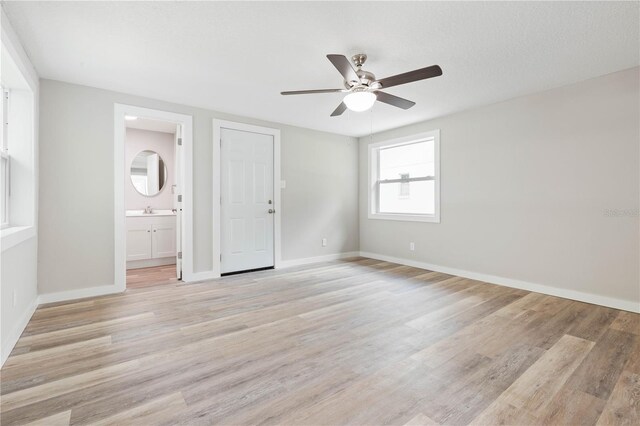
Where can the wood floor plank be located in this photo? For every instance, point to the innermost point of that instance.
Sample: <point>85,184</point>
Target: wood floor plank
<point>93,329</point>
<point>160,410</point>
<point>63,351</point>
<point>355,341</point>
<point>421,420</point>
<point>573,407</point>
<point>534,390</point>
<point>627,322</point>
<point>38,393</point>
<point>600,371</point>
<point>60,419</point>
<point>623,408</point>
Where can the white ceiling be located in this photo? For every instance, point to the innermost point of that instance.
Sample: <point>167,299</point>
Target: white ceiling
<point>154,125</point>
<point>237,57</point>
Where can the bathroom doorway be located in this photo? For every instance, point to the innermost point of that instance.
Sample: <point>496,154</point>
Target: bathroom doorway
<point>151,195</point>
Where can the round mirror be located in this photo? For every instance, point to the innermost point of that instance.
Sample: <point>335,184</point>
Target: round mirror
<point>148,173</point>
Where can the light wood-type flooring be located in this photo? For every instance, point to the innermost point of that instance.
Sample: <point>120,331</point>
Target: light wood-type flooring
<point>157,275</point>
<point>347,342</point>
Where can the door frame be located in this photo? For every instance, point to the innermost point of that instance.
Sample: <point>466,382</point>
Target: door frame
<point>218,125</point>
<point>119,224</point>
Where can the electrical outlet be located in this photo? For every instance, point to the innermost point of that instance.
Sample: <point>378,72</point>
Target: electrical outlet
<point>15,298</point>
<point>324,242</point>
<point>412,246</point>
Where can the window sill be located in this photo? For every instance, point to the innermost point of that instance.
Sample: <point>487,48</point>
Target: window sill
<point>406,217</point>
<point>14,235</point>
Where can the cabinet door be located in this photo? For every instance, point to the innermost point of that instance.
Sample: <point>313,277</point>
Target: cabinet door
<point>164,241</point>
<point>138,241</point>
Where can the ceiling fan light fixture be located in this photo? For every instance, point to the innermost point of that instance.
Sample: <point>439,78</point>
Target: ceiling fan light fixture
<point>359,101</point>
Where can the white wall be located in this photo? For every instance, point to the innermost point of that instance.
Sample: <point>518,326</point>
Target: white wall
<point>164,144</point>
<point>526,185</point>
<point>76,238</point>
<point>18,263</point>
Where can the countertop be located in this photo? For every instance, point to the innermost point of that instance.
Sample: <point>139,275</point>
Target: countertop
<point>141,213</point>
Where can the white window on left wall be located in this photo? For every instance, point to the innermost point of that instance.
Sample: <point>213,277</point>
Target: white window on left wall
<point>18,145</point>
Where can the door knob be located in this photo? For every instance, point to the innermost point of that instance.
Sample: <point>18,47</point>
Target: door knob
<point>271,211</point>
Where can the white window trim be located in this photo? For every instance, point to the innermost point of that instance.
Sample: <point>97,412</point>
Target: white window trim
<point>373,178</point>
<point>7,181</point>
<point>4,152</point>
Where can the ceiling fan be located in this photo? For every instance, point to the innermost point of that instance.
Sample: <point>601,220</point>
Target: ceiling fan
<point>363,89</point>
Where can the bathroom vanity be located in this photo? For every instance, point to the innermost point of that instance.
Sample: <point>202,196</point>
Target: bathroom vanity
<point>151,238</point>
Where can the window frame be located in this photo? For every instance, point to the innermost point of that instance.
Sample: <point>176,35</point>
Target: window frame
<point>373,189</point>
<point>4,154</point>
<point>6,179</point>
<point>21,81</point>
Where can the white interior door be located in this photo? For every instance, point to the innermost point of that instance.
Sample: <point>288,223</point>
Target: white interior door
<point>177,201</point>
<point>247,203</point>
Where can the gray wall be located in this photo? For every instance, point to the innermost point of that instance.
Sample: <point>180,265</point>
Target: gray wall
<point>525,186</point>
<point>76,186</point>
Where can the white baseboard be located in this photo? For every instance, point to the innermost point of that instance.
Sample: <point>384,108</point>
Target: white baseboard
<point>610,302</point>
<point>16,331</point>
<point>200,276</point>
<point>210,275</point>
<point>80,293</point>
<point>317,259</point>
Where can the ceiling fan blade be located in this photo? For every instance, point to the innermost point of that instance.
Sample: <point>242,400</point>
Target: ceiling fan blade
<point>344,67</point>
<point>338,111</point>
<point>310,92</point>
<point>411,76</point>
<point>396,101</point>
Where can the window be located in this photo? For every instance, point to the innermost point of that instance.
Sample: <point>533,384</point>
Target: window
<point>18,144</point>
<point>404,177</point>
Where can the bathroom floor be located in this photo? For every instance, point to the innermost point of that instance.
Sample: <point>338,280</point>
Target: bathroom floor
<point>157,275</point>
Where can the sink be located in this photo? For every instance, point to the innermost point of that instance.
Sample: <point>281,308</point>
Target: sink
<point>159,212</point>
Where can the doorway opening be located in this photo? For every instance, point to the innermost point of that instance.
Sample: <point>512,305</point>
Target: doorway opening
<point>152,227</point>
<point>151,189</point>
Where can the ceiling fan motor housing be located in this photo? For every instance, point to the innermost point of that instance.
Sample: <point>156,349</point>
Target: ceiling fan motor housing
<point>367,78</point>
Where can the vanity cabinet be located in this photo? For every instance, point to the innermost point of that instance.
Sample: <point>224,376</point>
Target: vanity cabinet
<point>138,239</point>
<point>163,240</point>
<point>151,237</point>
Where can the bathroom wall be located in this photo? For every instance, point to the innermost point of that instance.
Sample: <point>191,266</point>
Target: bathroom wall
<point>161,142</point>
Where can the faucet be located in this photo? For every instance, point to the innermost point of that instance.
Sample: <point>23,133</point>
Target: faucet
<point>148,210</point>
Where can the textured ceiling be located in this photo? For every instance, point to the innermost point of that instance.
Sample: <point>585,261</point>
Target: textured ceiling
<point>237,57</point>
